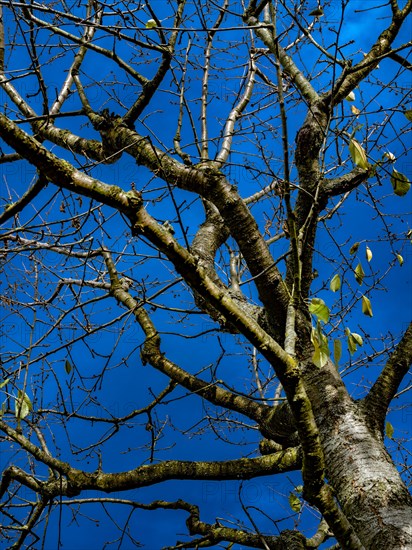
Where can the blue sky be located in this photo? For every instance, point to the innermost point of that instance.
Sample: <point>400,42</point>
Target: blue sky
<point>127,384</point>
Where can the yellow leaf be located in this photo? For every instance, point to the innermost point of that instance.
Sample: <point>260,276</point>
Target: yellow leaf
<point>294,502</point>
<point>321,349</point>
<point>22,405</point>
<point>359,273</point>
<point>366,306</point>
<point>408,114</point>
<point>355,110</point>
<point>151,24</point>
<point>358,338</point>
<point>400,259</point>
<point>4,383</point>
<point>354,248</point>
<point>390,156</point>
<point>350,96</point>
<point>369,254</point>
<point>352,347</point>
<point>335,283</point>
<point>357,152</point>
<point>320,309</point>
<point>354,340</point>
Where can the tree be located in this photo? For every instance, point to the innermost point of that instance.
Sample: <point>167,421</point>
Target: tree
<point>169,247</point>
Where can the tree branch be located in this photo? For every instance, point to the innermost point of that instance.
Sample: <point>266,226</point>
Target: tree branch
<point>16,207</point>
<point>150,87</point>
<point>289,66</point>
<point>377,401</point>
<point>213,534</point>
<point>77,481</point>
<point>345,183</point>
<point>354,75</point>
<point>270,419</point>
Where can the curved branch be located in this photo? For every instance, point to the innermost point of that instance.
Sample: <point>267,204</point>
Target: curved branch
<point>77,481</point>
<point>88,34</point>
<point>59,171</point>
<point>44,128</point>
<point>209,238</point>
<point>242,468</point>
<point>377,401</point>
<point>150,87</point>
<point>315,489</point>
<point>213,534</point>
<point>271,420</point>
<point>354,75</point>
<point>235,115</point>
<point>16,207</point>
<point>345,183</point>
<point>232,207</point>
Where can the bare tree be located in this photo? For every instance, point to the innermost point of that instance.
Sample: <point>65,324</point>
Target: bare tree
<point>187,287</point>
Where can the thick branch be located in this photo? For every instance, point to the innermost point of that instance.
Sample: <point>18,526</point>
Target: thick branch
<point>208,183</point>
<point>345,183</point>
<point>377,401</point>
<point>271,420</point>
<point>46,130</point>
<point>59,171</point>
<point>267,36</point>
<point>381,47</point>
<point>213,534</point>
<point>310,200</point>
<point>315,489</point>
<point>77,481</point>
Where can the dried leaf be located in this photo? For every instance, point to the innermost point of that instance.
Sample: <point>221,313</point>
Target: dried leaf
<point>400,259</point>
<point>366,306</point>
<point>357,152</point>
<point>358,338</point>
<point>390,156</point>
<point>359,273</point>
<point>335,283</point>
<point>369,254</point>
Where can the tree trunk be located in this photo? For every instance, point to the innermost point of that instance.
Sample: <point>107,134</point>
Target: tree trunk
<point>363,475</point>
